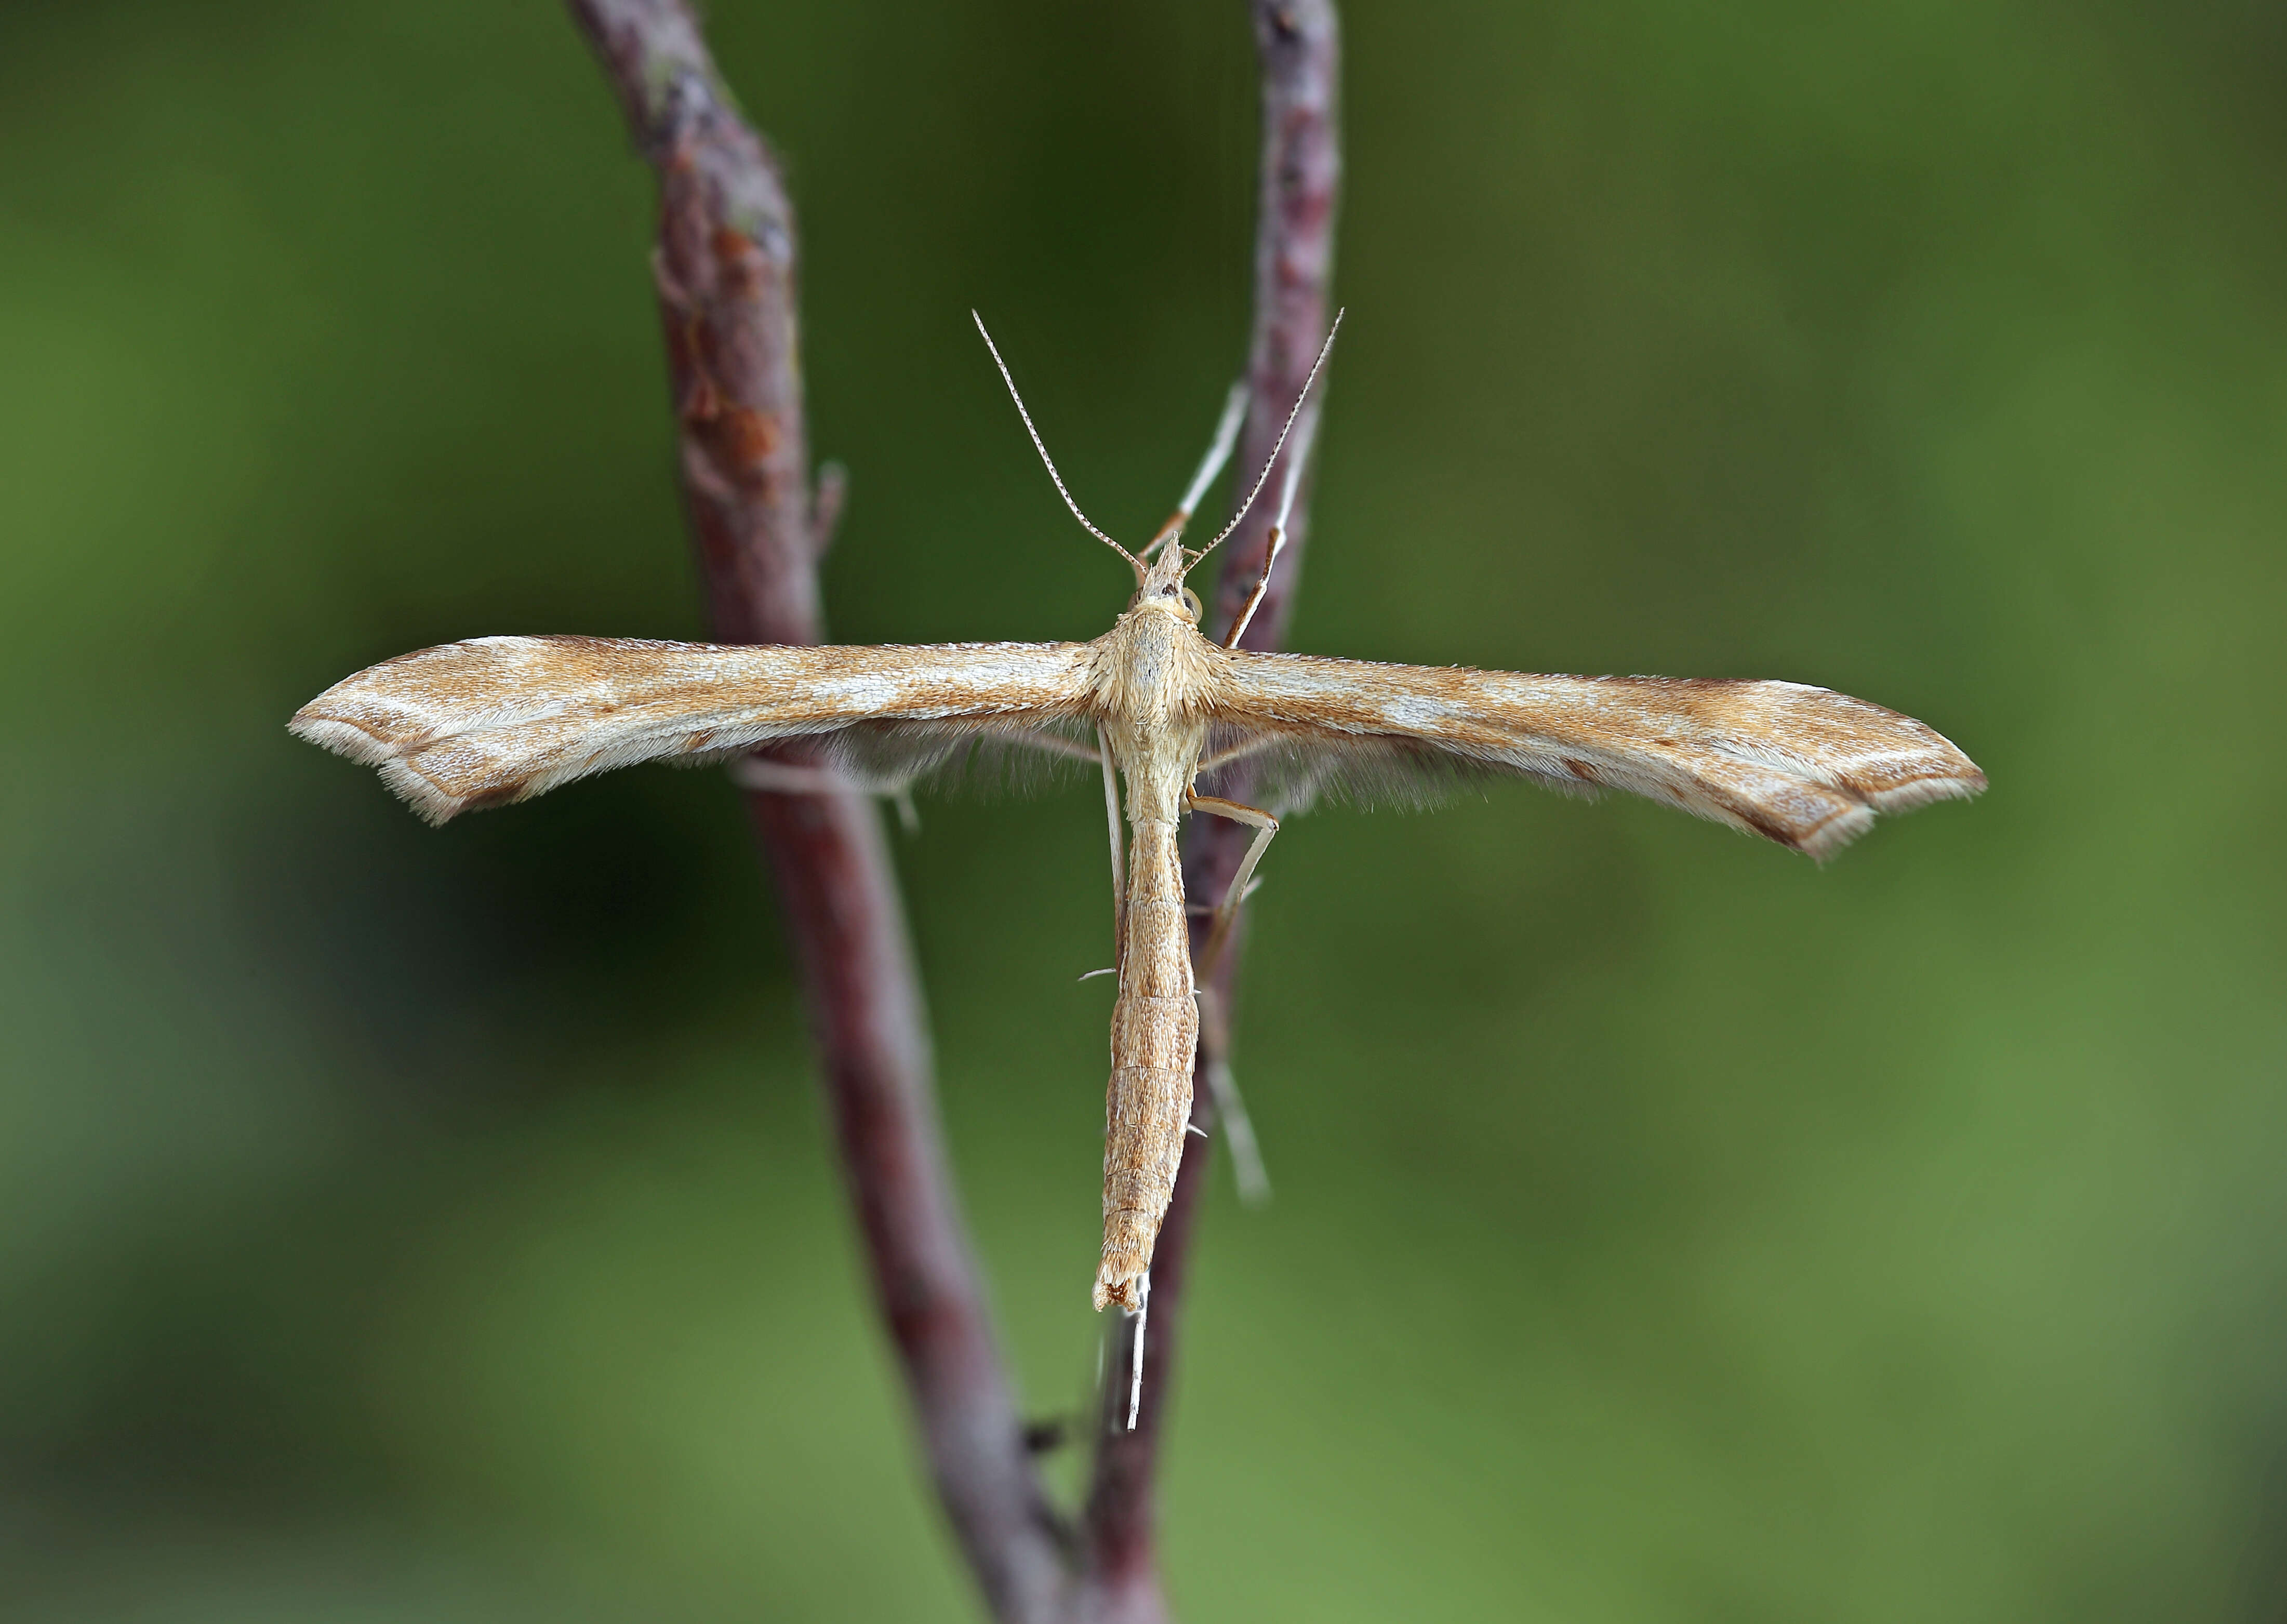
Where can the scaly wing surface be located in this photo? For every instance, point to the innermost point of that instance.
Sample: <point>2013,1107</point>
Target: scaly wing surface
<point>499,719</point>
<point>1808,768</point>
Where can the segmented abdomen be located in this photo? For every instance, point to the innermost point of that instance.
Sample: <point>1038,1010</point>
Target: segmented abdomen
<point>1155,1029</point>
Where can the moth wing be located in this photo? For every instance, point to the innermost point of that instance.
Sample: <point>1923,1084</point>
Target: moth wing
<point>499,719</point>
<point>1806,767</point>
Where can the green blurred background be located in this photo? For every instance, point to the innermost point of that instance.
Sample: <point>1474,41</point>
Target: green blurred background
<point>410,1225</point>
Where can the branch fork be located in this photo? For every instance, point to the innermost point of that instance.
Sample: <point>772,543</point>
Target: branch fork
<point>724,271</point>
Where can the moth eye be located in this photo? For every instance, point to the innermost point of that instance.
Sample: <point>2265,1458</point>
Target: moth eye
<point>1192,606</point>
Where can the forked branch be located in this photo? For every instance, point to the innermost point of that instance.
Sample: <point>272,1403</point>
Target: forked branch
<point>725,273</point>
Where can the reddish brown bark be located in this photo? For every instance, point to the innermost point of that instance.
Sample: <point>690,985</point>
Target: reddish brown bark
<point>725,267</point>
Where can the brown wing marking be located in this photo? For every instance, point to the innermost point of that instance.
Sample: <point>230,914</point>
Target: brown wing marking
<point>498,719</point>
<point>1803,766</point>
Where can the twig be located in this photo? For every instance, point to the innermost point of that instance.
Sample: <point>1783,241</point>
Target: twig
<point>1298,45</point>
<point>725,271</point>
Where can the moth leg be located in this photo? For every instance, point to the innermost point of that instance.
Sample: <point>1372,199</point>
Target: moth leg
<point>1231,1110</point>
<point>1239,752</point>
<point>1046,743</point>
<point>1265,827</point>
<point>1215,1030</point>
<point>1206,910</point>
<point>1135,1367</point>
<point>1118,867</point>
<point>1276,538</point>
<point>790,778</point>
<point>1226,435</point>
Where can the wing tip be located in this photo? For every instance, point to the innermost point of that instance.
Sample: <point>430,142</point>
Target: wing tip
<point>431,805</point>
<point>313,726</point>
<point>1825,840</point>
<point>1963,783</point>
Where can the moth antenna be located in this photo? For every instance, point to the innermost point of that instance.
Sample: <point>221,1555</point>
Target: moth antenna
<point>1046,460</point>
<point>1226,436</point>
<point>1307,434</point>
<point>1277,540</point>
<point>1285,429</point>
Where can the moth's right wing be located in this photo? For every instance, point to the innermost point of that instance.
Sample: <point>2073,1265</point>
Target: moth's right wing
<point>1804,766</point>
<point>499,719</point>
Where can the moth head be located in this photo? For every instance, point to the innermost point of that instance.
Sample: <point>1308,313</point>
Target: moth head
<point>1159,585</point>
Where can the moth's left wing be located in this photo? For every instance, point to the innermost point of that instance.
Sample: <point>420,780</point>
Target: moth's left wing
<point>498,719</point>
<point>1803,766</point>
